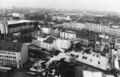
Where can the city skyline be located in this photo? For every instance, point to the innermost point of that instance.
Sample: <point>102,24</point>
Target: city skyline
<point>97,5</point>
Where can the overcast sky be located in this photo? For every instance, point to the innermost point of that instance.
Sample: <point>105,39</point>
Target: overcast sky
<point>99,5</point>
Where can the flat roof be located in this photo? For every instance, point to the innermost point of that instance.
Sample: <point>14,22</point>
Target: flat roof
<point>10,46</point>
<point>18,21</point>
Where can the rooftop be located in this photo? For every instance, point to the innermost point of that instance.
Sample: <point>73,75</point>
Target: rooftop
<point>49,40</point>
<point>18,21</point>
<point>10,46</point>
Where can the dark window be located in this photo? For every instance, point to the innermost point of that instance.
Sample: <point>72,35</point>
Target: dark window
<point>83,57</point>
<point>97,55</point>
<point>98,62</point>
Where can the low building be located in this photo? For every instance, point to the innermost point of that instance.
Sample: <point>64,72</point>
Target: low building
<point>62,44</point>
<point>93,59</point>
<point>13,53</point>
<point>45,30</point>
<point>50,43</point>
<point>92,74</point>
<point>46,43</point>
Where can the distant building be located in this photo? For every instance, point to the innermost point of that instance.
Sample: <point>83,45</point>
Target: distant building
<point>13,54</point>
<point>103,28</point>
<point>45,30</point>
<point>59,18</point>
<point>15,16</point>
<point>75,26</point>
<point>68,34</point>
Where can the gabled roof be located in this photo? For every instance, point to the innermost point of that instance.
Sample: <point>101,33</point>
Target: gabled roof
<point>49,40</point>
<point>10,46</point>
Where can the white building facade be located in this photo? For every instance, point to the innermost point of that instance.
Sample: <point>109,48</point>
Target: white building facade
<point>13,55</point>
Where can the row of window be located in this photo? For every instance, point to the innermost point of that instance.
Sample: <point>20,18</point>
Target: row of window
<point>68,35</point>
<point>20,28</point>
<point>10,53</point>
<point>8,56</point>
<point>9,61</point>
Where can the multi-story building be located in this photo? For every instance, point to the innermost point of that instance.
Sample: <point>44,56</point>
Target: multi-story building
<point>10,27</point>
<point>22,27</point>
<point>103,28</point>
<point>13,53</point>
<point>68,34</point>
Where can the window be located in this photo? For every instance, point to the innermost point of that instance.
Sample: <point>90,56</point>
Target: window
<point>93,54</point>
<point>83,57</point>
<point>82,52</point>
<point>98,62</point>
<point>90,60</point>
<point>9,53</point>
<point>14,61</point>
<point>13,53</point>
<point>97,55</point>
<point>14,57</point>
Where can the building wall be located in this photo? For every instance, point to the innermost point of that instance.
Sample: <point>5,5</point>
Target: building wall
<point>102,28</point>
<point>18,60</point>
<point>43,44</point>
<point>46,46</point>
<point>9,57</point>
<point>45,30</point>
<point>24,53</point>
<point>68,35</point>
<point>92,27</point>
<point>62,44</point>
<point>2,28</point>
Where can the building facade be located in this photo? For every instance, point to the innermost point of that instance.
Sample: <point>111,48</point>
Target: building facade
<point>13,54</point>
<point>62,44</point>
<point>67,34</point>
<point>46,43</point>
